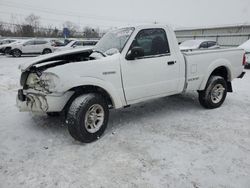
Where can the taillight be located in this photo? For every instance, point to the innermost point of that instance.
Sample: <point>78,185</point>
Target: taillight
<point>244,62</point>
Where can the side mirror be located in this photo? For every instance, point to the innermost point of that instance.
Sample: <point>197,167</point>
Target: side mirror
<point>135,52</point>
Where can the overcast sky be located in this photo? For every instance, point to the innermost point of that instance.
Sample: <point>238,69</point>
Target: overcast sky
<point>113,13</point>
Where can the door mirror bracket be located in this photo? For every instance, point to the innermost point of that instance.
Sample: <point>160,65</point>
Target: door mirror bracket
<point>134,53</point>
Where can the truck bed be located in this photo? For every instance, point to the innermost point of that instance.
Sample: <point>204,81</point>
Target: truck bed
<point>200,64</point>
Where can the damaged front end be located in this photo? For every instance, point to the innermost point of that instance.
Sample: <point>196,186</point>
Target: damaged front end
<point>31,100</point>
<point>39,94</point>
<point>39,91</point>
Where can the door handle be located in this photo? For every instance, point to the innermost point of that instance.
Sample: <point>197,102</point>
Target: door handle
<point>171,62</point>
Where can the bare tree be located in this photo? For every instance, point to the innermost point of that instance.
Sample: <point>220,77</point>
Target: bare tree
<point>91,32</point>
<point>72,27</point>
<point>33,21</point>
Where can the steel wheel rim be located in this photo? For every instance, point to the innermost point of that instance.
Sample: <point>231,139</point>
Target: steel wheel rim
<point>94,118</point>
<point>217,93</point>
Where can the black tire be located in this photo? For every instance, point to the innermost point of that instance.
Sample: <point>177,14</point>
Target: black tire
<point>47,51</point>
<point>247,66</point>
<point>77,114</point>
<point>16,53</point>
<point>7,51</point>
<point>53,114</point>
<point>208,98</point>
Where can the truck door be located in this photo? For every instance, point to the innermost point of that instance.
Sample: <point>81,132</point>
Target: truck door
<point>156,73</point>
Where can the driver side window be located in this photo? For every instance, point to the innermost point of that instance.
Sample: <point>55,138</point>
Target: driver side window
<point>204,45</point>
<point>31,42</point>
<point>78,43</point>
<point>152,41</point>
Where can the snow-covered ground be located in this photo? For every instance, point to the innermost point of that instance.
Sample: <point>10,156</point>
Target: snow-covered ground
<point>168,142</point>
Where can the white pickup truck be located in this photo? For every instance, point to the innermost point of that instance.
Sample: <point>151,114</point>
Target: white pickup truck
<point>127,66</point>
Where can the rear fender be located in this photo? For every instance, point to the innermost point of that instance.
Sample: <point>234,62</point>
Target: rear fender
<point>216,64</point>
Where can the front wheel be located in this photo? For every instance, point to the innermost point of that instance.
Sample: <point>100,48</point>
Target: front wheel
<point>214,94</point>
<point>16,53</point>
<point>87,117</point>
<point>47,51</point>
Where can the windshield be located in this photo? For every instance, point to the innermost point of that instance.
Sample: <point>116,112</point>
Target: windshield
<point>114,40</point>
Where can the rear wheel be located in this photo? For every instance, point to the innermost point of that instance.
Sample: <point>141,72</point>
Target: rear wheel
<point>214,94</point>
<point>7,51</point>
<point>47,51</point>
<point>87,117</point>
<point>16,53</point>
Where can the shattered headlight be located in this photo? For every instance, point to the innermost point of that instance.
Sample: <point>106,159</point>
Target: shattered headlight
<point>32,80</point>
<point>46,82</point>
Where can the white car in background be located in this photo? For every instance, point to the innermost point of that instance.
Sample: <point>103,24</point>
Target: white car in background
<point>32,46</point>
<point>198,44</point>
<point>77,44</point>
<point>5,47</point>
<point>246,47</point>
<point>7,41</point>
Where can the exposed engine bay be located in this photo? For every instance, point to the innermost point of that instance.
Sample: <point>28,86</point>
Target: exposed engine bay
<point>34,76</point>
<point>37,83</point>
<point>62,59</point>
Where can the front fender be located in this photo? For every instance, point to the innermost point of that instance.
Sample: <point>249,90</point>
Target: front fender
<point>116,94</point>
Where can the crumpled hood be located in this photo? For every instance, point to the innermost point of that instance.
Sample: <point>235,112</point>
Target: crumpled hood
<point>43,58</point>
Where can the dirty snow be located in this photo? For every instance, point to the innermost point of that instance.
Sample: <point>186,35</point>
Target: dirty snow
<point>168,142</point>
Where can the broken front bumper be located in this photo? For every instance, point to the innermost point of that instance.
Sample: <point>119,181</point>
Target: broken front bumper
<point>39,102</point>
<point>242,75</point>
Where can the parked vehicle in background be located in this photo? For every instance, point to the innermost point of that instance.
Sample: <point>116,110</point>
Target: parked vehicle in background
<point>7,41</point>
<point>127,66</point>
<point>77,44</point>
<point>199,44</point>
<point>57,43</point>
<point>32,46</point>
<point>5,48</point>
<point>246,47</point>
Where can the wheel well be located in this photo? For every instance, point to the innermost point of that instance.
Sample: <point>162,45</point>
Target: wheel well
<point>17,49</point>
<point>12,50</point>
<point>47,49</point>
<point>221,71</point>
<point>7,49</point>
<point>92,89</point>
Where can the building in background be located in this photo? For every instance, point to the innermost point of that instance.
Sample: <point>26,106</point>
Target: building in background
<point>226,36</point>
